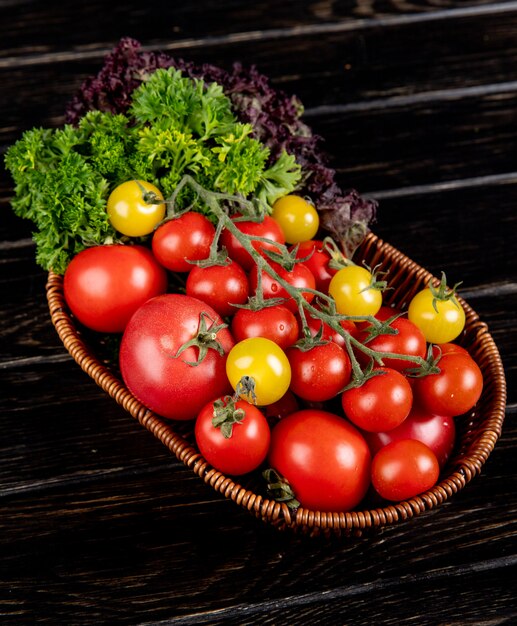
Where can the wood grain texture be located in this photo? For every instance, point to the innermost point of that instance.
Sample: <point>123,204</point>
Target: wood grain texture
<point>100,524</point>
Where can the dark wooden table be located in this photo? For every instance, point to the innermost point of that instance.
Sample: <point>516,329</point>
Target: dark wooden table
<point>99,523</point>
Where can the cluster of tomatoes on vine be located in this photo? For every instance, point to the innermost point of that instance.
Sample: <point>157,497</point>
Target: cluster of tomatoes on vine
<point>278,347</point>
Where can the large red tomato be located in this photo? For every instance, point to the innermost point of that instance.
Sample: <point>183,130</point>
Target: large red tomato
<point>105,285</point>
<point>168,383</point>
<point>325,459</point>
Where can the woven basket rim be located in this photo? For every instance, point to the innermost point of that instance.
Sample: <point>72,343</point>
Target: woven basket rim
<point>464,469</point>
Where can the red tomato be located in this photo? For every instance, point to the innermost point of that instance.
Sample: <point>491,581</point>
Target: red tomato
<point>383,314</point>
<point>315,323</point>
<point>183,239</point>
<point>244,450</point>
<point>276,323</point>
<point>325,459</point>
<point>409,341</point>
<point>267,229</point>
<point>403,469</point>
<point>281,408</point>
<point>447,348</point>
<point>220,286</point>
<point>105,285</point>
<point>318,263</point>
<point>436,431</point>
<point>455,390</point>
<point>381,403</point>
<point>320,373</point>
<point>168,384</point>
<point>299,277</point>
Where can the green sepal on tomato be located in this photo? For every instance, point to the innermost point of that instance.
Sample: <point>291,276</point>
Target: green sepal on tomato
<point>247,444</point>
<point>160,370</point>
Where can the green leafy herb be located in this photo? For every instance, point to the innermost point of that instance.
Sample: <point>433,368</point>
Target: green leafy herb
<point>175,126</point>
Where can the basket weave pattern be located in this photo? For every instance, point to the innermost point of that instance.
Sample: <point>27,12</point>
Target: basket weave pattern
<point>477,433</point>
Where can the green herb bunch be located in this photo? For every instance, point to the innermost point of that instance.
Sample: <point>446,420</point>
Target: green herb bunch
<point>175,126</point>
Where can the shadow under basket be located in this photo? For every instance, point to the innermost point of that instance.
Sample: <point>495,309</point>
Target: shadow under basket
<point>477,432</point>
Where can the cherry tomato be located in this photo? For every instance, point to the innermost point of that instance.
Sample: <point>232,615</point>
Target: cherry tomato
<point>455,390</point>
<point>381,403</point>
<point>318,262</point>
<point>274,322</point>
<point>299,277</point>
<point>165,381</point>
<point>131,212</point>
<point>436,431</point>
<point>447,348</point>
<point>267,229</point>
<point>298,219</point>
<point>183,239</point>
<point>320,373</point>
<point>105,285</point>
<point>287,404</point>
<point>220,286</point>
<point>441,320</point>
<point>353,291</point>
<point>325,459</point>
<point>409,341</point>
<point>244,450</point>
<point>403,469</point>
<point>314,325</point>
<point>263,361</point>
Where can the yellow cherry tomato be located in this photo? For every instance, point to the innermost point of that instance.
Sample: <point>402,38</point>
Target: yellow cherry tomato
<point>128,211</point>
<point>298,219</point>
<point>440,318</point>
<point>265,363</point>
<point>355,291</point>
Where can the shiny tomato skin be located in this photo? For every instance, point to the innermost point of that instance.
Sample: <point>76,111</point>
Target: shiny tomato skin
<point>352,290</point>
<point>318,263</point>
<point>325,459</point>
<point>220,286</point>
<point>381,403</point>
<point>403,469</point>
<point>320,373</point>
<point>436,431</point>
<point>441,321</point>
<point>165,383</point>
<point>265,363</point>
<point>409,341</point>
<point>129,213</point>
<point>455,390</point>
<point>276,323</point>
<point>241,453</point>
<point>298,218</point>
<point>299,277</point>
<point>105,285</point>
<point>267,229</point>
<point>183,239</point>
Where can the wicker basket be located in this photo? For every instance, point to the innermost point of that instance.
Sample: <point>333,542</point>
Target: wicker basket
<point>477,432</point>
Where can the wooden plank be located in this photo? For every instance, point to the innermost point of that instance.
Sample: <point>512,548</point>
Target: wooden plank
<point>322,68</point>
<point>21,32</point>
<point>176,532</point>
